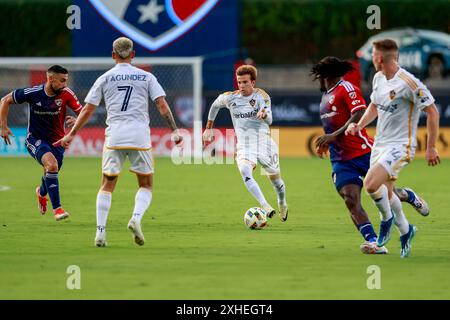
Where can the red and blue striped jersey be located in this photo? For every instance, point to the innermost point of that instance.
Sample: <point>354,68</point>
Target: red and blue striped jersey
<point>336,108</point>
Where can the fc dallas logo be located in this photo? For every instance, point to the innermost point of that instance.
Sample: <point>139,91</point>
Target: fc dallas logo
<point>153,23</point>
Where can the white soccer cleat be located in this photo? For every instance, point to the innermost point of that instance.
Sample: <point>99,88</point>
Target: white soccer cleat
<point>372,248</point>
<point>418,203</point>
<point>283,211</point>
<point>269,211</point>
<point>135,227</point>
<point>100,238</point>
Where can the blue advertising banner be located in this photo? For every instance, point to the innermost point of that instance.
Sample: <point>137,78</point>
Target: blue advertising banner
<point>167,28</point>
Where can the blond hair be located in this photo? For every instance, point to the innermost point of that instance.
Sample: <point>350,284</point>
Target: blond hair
<point>247,69</point>
<point>123,47</point>
<point>387,47</point>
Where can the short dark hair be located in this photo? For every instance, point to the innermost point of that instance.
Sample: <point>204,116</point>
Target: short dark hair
<point>57,69</point>
<point>331,67</point>
<point>385,45</point>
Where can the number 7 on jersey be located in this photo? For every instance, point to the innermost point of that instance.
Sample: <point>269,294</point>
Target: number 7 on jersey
<point>128,90</point>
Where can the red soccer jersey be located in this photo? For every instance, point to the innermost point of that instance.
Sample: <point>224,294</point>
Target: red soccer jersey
<point>336,108</point>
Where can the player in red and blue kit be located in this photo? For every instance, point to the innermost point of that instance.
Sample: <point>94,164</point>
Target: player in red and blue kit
<point>48,104</point>
<point>342,103</point>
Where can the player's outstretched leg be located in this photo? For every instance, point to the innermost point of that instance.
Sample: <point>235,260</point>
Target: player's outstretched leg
<point>280,188</point>
<point>103,205</point>
<point>374,184</point>
<point>351,194</point>
<point>246,170</point>
<point>52,184</point>
<point>408,195</point>
<point>142,202</point>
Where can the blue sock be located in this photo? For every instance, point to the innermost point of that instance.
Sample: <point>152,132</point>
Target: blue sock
<point>411,197</point>
<point>367,232</point>
<point>43,188</point>
<point>52,184</point>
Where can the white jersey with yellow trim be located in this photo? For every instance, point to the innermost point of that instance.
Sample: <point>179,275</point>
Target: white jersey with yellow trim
<point>399,102</point>
<point>243,110</point>
<point>126,90</point>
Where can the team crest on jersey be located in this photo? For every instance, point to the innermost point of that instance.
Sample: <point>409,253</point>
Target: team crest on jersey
<point>352,94</point>
<point>58,102</point>
<point>38,143</point>
<point>392,94</point>
<point>153,23</point>
<point>331,99</point>
<point>252,102</point>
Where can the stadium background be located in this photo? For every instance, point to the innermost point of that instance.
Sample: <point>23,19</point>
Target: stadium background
<point>300,32</point>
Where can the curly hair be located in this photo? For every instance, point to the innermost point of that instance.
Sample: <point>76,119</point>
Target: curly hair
<point>331,67</point>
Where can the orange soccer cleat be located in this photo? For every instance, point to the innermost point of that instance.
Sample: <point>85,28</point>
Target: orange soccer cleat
<point>42,202</point>
<point>60,214</point>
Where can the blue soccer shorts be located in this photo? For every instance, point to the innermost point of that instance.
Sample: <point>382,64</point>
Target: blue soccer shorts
<point>38,147</point>
<point>351,171</point>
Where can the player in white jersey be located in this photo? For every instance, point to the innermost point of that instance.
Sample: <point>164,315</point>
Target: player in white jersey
<point>397,100</point>
<point>250,110</point>
<point>126,91</point>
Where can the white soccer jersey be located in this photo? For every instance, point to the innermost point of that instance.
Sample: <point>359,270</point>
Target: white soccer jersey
<point>127,91</point>
<point>243,110</point>
<point>399,102</point>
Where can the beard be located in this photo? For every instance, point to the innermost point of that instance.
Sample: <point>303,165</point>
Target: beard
<point>56,90</point>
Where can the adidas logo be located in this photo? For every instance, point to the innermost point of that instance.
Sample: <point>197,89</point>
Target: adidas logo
<point>39,104</point>
<point>53,186</point>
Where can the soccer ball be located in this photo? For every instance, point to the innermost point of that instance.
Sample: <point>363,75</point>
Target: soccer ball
<point>255,218</point>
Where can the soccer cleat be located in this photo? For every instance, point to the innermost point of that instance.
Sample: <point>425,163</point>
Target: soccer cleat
<point>372,248</point>
<point>42,202</point>
<point>100,238</point>
<point>60,214</point>
<point>385,232</point>
<point>135,227</point>
<point>283,211</point>
<point>405,241</point>
<point>417,202</point>
<point>269,211</point>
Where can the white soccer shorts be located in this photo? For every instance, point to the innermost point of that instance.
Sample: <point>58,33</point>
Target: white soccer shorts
<point>392,157</point>
<point>265,152</point>
<point>113,160</point>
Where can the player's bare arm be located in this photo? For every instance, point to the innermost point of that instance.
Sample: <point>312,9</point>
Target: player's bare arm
<point>208,134</point>
<point>4,110</point>
<point>369,116</point>
<point>81,120</point>
<point>327,138</point>
<point>166,113</point>
<point>431,154</point>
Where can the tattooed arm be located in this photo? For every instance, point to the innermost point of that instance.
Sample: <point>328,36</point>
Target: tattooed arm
<point>164,110</point>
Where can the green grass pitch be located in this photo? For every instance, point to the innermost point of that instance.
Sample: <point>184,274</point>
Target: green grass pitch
<point>197,246</point>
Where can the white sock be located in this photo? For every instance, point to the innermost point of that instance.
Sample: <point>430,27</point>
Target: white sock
<point>103,205</point>
<point>400,219</point>
<point>252,186</point>
<point>280,189</point>
<point>381,200</point>
<point>142,202</point>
